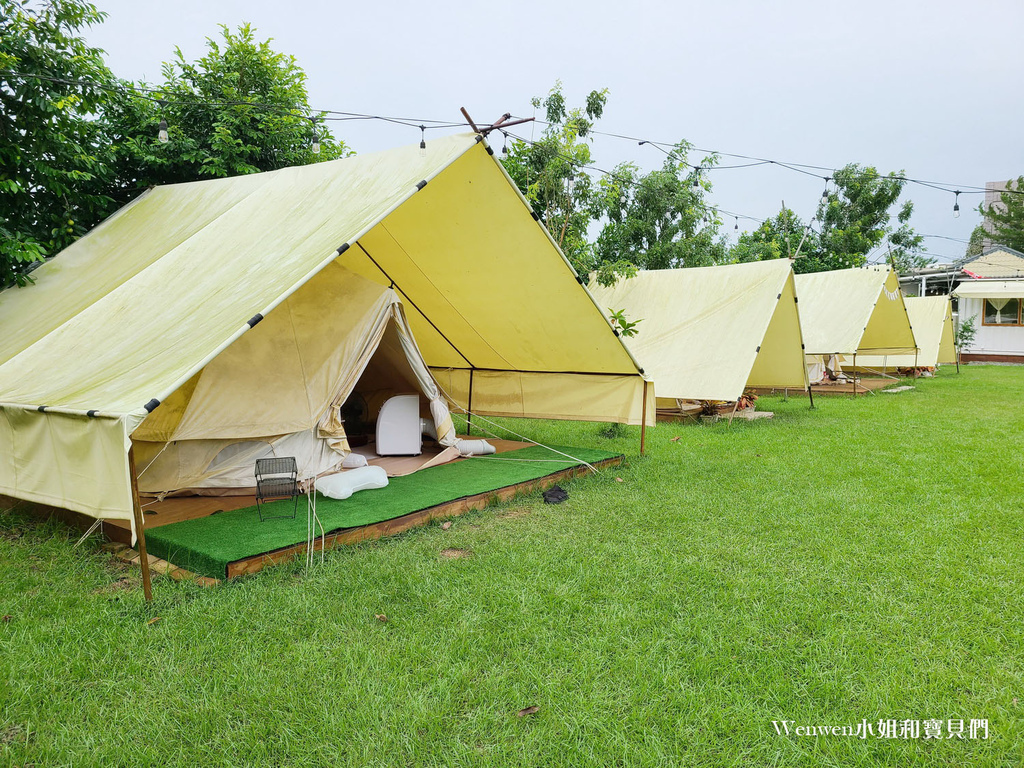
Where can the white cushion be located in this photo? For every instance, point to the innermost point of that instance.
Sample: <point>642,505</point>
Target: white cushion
<point>344,484</point>
<point>354,460</point>
<point>475,447</point>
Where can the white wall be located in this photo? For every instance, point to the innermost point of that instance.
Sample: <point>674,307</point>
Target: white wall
<point>991,339</point>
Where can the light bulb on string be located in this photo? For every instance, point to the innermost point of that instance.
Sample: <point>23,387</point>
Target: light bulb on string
<point>315,146</point>
<point>504,146</point>
<point>956,204</point>
<point>161,133</point>
<point>423,141</point>
<point>736,227</point>
<point>696,176</point>
<point>824,193</point>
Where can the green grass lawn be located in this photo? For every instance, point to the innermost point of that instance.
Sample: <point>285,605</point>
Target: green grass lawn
<point>857,562</point>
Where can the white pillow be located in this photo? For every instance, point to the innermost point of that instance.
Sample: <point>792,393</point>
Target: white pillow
<point>475,447</point>
<point>354,460</point>
<point>344,484</point>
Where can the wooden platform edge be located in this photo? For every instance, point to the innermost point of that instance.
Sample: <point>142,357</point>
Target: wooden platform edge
<point>823,389</point>
<point>129,555</point>
<point>421,517</point>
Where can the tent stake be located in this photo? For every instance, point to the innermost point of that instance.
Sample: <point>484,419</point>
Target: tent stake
<point>733,414</point>
<point>643,423</point>
<point>147,586</point>
<point>854,375</point>
<point>810,395</point>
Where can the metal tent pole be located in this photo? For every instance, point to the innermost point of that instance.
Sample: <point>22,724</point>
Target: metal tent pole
<point>469,406</point>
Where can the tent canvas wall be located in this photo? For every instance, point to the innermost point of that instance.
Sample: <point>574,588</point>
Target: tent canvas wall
<point>707,333</point>
<point>127,316</point>
<point>932,320</point>
<point>850,312</point>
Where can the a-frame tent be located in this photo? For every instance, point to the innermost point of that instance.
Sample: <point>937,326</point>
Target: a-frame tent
<point>932,320</point>
<point>851,312</point>
<point>707,333</point>
<point>120,322</point>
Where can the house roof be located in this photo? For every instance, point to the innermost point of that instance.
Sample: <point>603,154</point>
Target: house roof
<point>997,261</point>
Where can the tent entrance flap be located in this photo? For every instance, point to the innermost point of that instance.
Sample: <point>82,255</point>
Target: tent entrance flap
<point>284,389</point>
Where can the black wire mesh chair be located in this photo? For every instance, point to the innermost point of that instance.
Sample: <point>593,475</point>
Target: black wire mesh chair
<point>276,479</point>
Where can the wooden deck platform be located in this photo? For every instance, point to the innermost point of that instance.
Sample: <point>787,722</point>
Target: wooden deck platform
<point>864,386</point>
<point>190,507</point>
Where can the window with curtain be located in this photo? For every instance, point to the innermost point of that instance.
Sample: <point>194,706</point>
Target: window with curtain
<point>1002,312</point>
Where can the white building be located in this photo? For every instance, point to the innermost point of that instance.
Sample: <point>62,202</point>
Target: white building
<point>991,290</point>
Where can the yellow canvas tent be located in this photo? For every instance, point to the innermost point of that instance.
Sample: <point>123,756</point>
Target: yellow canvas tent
<point>932,320</point>
<point>132,326</point>
<point>851,312</point>
<point>707,333</point>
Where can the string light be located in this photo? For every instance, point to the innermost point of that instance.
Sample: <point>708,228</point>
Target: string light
<point>504,146</point>
<point>966,189</point>
<point>736,227</point>
<point>316,136</point>
<point>161,134</point>
<point>696,176</point>
<point>824,194</point>
<point>339,116</point>
<point>613,175</point>
<point>423,140</point>
<point>956,204</point>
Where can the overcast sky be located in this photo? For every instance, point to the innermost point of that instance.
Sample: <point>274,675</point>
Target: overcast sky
<point>931,88</point>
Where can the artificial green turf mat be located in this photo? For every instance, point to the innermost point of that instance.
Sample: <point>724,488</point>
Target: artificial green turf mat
<point>206,545</point>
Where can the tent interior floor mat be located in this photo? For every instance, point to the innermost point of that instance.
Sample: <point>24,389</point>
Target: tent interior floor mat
<point>232,542</point>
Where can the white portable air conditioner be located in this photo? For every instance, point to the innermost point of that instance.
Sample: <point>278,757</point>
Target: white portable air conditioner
<point>398,427</point>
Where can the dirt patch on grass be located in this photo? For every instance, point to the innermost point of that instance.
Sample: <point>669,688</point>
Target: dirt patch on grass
<point>515,512</point>
<point>123,584</point>
<point>454,553</point>
<point>12,733</point>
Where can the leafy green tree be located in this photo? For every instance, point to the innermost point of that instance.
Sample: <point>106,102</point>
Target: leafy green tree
<point>241,108</point>
<point>856,218</point>
<point>657,220</point>
<point>976,243</point>
<point>1006,218</point>
<point>54,153</point>
<point>550,172</point>
<point>784,236</point>
<point>964,333</point>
